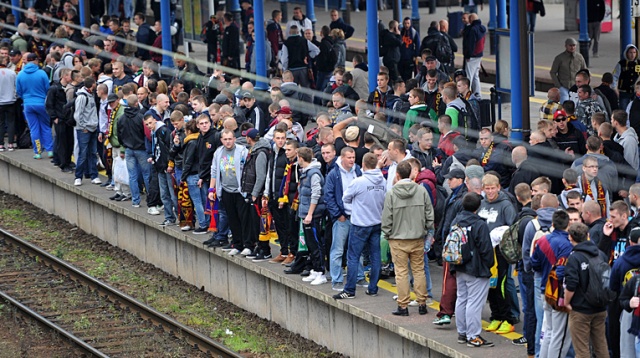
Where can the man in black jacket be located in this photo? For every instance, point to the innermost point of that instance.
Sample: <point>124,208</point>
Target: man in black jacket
<point>526,171</point>
<point>592,216</point>
<point>295,55</point>
<point>325,61</point>
<point>390,43</point>
<point>56,100</point>
<point>132,138</point>
<point>230,43</point>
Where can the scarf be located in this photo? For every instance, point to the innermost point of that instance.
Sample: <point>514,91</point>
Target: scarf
<point>174,99</point>
<point>601,197</point>
<point>283,196</point>
<point>112,119</point>
<point>568,187</point>
<point>487,155</point>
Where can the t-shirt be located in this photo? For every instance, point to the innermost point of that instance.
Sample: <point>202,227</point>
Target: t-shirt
<point>227,167</point>
<point>360,151</point>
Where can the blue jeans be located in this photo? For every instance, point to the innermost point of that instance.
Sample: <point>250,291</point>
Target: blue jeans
<point>340,233</point>
<point>87,160</point>
<point>471,9</point>
<point>564,94</point>
<point>40,128</point>
<point>128,8</point>
<point>168,196</point>
<point>427,275</point>
<point>137,166</point>
<point>527,292</point>
<point>223,224</point>
<point>511,294</point>
<point>194,192</point>
<point>531,20</point>
<point>359,237</point>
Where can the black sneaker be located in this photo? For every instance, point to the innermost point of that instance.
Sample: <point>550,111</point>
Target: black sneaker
<point>67,170</point>
<point>125,198</point>
<point>228,247</point>
<point>422,309</point>
<point>520,341</point>
<point>201,231</point>
<point>254,253</point>
<point>343,295</point>
<point>208,242</point>
<point>462,338</point>
<point>262,257</point>
<point>116,197</point>
<point>479,342</point>
<point>369,293</point>
<point>218,243</point>
<point>401,311</point>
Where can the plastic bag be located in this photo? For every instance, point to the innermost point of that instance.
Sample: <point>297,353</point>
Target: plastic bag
<point>120,172</point>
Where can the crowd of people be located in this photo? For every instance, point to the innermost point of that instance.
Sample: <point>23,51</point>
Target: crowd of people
<point>383,182</point>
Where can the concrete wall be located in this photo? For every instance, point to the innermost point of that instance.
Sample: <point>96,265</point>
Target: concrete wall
<point>293,305</point>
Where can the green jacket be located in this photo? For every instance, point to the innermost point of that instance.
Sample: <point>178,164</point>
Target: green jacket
<point>113,135</point>
<point>407,213</point>
<point>412,117</point>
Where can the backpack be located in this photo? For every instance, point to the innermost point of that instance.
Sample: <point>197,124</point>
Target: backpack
<point>468,124</point>
<point>69,109</point>
<point>598,294</point>
<point>130,48</point>
<point>457,250</point>
<point>440,48</point>
<point>440,204</point>
<point>511,244</point>
<point>540,232</point>
<point>64,57</point>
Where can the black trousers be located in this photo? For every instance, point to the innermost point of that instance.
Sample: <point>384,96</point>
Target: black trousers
<point>238,218</point>
<point>314,241</point>
<point>63,148</point>
<point>8,119</point>
<point>153,191</point>
<point>286,227</point>
<point>498,301</point>
<point>406,68</point>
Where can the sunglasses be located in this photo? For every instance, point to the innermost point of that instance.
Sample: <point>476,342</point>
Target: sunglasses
<point>560,119</point>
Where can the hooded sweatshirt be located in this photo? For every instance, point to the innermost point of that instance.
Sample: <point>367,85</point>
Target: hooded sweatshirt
<point>408,213</point>
<point>624,74</point>
<point>453,110</point>
<point>499,212</point>
<point>629,141</point>
<point>576,276</point>
<point>32,85</point>
<point>366,196</point>
<point>555,244</point>
<point>337,181</point>
<point>414,114</point>
<point>544,218</point>
<point>482,252</point>
<point>86,114</point>
<point>628,261</point>
<point>311,190</point>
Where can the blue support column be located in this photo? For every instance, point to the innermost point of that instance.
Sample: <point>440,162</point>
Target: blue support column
<point>398,6</point>
<point>415,15</point>
<point>516,82</point>
<point>311,14</point>
<point>165,21</point>
<point>491,26</point>
<point>82,13</point>
<point>502,14</point>
<point>234,8</point>
<point>373,57</point>
<point>259,46</point>
<point>584,32</point>
<point>283,8</point>
<point>625,24</point>
<point>16,13</point>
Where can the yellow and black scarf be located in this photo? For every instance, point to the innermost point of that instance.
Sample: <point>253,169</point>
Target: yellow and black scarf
<point>601,198</point>
<point>487,155</point>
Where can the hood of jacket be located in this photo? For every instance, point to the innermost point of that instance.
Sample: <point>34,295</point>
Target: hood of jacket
<point>629,133</point>
<point>261,143</point>
<point>405,189</point>
<point>374,176</point>
<point>426,175</point>
<point>288,89</point>
<point>631,255</point>
<point>588,247</point>
<point>478,25</point>
<point>190,137</point>
<point>526,211</point>
<point>457,104</point>
<point>30,68</point>
<point>363,66</point>
<point>623,56</point>
<point>419,107</point>
<point>545,214</point>
<point>131,112</point>
<point>314,164</point>
<point>343,170</point>
<point>467,218</point>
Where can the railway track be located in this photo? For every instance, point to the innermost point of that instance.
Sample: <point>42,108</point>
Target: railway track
<point>97,318</point>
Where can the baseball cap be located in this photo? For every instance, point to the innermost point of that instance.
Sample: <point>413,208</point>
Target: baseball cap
<point>99,43</point>
<point>430,58</point>
<point>80,53</point>
<point>15,52</point>
<point>32,57</point>
<point>285,110</point>
<point>352,133</point>
<point>559,113</point>
<point>570,41</point>
<point>247,94</point>
<point>474,171</point>
<point>251,133</point>
<point>455,173</point>
<point>112,97</point>
<point>634,235</point>
<point>221,99</point>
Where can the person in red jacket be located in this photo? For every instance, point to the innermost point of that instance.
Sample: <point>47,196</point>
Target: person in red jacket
<point>446,140</point>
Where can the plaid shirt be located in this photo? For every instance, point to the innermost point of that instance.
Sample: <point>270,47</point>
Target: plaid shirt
<point>548,109</point>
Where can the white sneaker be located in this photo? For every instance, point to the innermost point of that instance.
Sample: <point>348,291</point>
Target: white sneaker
<point>96,181</point>
<point>246,252</point>
<point>185,228</point>
<point>312,276</point>
<point>153,211</point>
<point>233,252</point>
<point>320,279</point>
<point>77,182</point>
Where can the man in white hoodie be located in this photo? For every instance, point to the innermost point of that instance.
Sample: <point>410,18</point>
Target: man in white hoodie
<point>626,137</point>
<point>396,153</point>
<point>366,196</point>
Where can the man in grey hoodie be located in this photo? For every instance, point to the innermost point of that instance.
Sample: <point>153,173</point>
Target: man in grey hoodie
<point>366,196</point>
<point>627,137</point>
<point>86,117</point>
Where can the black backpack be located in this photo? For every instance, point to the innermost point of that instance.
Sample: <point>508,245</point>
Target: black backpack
<point>598,294</point>
<point>441,201</point>
<point>69,110</point>
<point>468,124</point>
<point>440,48</point>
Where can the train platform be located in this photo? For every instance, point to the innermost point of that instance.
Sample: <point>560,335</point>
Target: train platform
<point>361,327</point>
